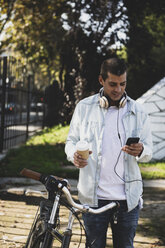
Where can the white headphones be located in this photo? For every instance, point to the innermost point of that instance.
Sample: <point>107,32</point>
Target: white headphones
<point>105,103</point>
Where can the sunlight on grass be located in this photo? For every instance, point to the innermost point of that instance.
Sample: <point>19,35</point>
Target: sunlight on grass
<point>153,170</point>
<point>44,152</point>
<point>51,136</point>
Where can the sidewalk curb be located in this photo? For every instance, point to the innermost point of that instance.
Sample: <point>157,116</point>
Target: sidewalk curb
<point>21,185</point>
<point>159,183</point>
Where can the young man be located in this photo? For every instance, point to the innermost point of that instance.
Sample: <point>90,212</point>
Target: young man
<point>106,120</point>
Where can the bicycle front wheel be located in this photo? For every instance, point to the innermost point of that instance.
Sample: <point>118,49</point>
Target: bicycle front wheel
<point>36,235</point>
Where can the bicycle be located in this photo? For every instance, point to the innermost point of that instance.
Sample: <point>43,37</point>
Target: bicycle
<point>46,225</point>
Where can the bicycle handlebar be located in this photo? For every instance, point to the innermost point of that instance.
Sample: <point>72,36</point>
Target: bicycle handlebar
<point>31,174</point>
<point>86,208</point>
<point>83,208</point>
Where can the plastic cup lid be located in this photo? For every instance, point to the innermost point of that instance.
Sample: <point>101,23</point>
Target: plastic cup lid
<point>82,145</point>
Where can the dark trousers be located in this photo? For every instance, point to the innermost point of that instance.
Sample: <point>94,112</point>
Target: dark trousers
<point>123,225</point>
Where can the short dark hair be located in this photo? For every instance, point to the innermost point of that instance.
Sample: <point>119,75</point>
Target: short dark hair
<point>115,66</point>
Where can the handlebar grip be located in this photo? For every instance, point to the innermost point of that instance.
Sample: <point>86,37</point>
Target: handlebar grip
<point>31,174</point>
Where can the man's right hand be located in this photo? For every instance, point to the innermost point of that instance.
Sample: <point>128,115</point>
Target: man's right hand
<point>79,162</point>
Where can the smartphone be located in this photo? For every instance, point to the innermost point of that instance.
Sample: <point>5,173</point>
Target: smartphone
<point>132,140</point>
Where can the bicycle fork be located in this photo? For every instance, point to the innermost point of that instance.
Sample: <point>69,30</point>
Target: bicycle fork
<point>48,240</point>
<point>64,238</point>
<point>68,232</point>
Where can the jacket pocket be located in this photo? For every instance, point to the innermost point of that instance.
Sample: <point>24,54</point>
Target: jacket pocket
<point>88,130</point>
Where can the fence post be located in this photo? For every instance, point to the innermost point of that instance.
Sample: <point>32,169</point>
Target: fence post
<point>2,127</point>
<point>28,108</point>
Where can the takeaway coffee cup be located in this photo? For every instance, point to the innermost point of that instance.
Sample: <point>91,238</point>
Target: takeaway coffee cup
<point>82,148</point>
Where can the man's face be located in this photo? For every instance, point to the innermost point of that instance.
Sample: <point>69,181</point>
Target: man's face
<point>114,86</point>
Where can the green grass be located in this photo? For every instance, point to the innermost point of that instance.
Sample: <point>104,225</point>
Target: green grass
<point>153,170</point>
<point>51,136</point>
<point>44,153</point>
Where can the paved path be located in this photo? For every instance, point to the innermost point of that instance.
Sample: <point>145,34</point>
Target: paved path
<point>17,212</point>
<point>17,216</point>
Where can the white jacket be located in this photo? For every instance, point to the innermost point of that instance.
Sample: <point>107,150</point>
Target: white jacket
<point>88,124</point>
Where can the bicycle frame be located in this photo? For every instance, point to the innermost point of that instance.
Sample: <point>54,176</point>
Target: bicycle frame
<point>66,237</point>
<point>52,231</point>
<point>49,212</point>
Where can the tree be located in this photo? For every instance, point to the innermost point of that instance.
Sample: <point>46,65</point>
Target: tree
<point>35,33</point>
<point>89,42</point>
<point>6,9</point>
<point>145,44</point>
<point>53,36</point>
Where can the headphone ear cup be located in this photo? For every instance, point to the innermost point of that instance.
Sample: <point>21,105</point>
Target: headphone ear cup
<point>103,102</point>
<point>123,101</point>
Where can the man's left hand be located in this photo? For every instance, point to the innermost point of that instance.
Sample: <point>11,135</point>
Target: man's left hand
<point>134,149</point>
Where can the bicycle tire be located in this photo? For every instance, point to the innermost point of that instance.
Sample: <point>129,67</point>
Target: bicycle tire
<point>39,237</point>
<point>36,235</point>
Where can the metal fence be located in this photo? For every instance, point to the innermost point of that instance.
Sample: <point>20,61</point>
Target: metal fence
<point>21,107</point>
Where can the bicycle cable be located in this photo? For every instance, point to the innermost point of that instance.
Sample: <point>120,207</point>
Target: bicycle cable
<point>81,225</point>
